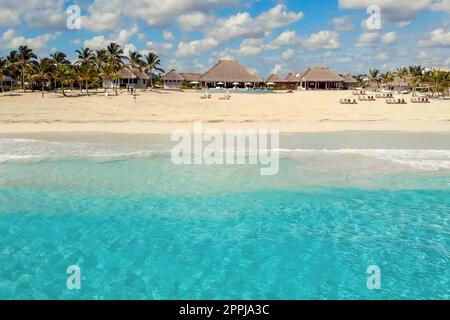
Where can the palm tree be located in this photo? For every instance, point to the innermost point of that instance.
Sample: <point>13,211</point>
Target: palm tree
<point>86,74</point>
<point>152,62</point>
<point>25,58</point>
<point>58,58</point>
<point>136,61</point>
<point>415,77</point>
<point>101,63</point>
<point>3,69</point>
<point>43,72</point>
<point>386,77</point>
<point>115,61</point>
<point>65,74</point>
<point>85,62</point>
<point>85,56</point>
<point>12,62</point>
<point>373,76</point>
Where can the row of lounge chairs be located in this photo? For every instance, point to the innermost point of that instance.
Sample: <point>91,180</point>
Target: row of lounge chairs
<point>359,92</point>
<point>395,101</point>
<point>348,101</point>
<point>368,97</point>
<point>384,95</point>
<point>420,100</point>
<point>226,96</point>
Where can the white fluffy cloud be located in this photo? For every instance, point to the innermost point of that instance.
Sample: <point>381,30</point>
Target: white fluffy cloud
<point>168,36</point>
<point>105,15</point>
<point>343,24</point>
<point>122,37</point>
<point>194,21</point>
<point>322,40</point>
<point>288,54</point>
<point>389,38</point>
<point>243,25</point>
<point>11,40</point>
<point>43,14</point>
<point>441,5</point>
<point>286,38</point>
<point>277,69</point>
<point>195,47</point>
<point>367,39</point>
<point>438,38</point>
<point>8,18</point>
<point>250,47</point>
<point>401,11</point>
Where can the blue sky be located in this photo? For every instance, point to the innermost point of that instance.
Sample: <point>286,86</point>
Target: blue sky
<point>266,35</point>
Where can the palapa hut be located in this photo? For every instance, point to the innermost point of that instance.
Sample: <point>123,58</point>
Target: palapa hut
<point>275,79</point>
<point>177,80</point>
<point>397,84</point>
<point>321,78</point>
<point>131,78</point>
<point>349,81</point>
<point>173,80</point>
<point>231,73</point>
<point>293,80</point>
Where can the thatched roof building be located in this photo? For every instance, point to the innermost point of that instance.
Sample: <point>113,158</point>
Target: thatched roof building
<point>126,73</point>
<point>294,77</point>
<point>172,75</point>
<point>321,74</point>
<point>190,77</point>
<point>228,72</point>
<point>274,78</point>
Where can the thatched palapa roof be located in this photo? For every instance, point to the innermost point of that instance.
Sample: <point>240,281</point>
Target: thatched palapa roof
<point>274,78</point>
<point>229,71</point>
<point>173,75</point>
<point>321,74</point>
<point>294,77</point>
<point>140,74</point>
<point>126,73</point>
<point>397,82</point>
<point>348,78</point>
<point>189,76</point>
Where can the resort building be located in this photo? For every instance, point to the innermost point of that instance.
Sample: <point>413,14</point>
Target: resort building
<point>176,80</point>
<point>321,78</point>
<point>130,78</point>
<point>293,80</point>
<point>397,84</point>
<point>349,81</point>
<point>229,74</point>
<point>173,80</point>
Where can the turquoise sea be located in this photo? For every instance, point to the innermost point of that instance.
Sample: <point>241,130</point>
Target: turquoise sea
<point>140,227</point>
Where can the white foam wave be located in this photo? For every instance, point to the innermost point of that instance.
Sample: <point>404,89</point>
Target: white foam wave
<point>25,150</point>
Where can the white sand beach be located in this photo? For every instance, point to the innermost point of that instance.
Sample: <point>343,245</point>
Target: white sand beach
<point>160,112</point>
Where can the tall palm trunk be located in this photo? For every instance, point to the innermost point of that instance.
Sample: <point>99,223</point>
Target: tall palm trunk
<point>87,90</point>
<point>23,79</point>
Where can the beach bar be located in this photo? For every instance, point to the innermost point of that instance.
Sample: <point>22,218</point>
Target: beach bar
<point>321,78</point>
<point>230,74</point>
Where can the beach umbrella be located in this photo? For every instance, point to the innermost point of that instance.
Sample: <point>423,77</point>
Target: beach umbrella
<point>195,82</point>
<point>248,84</point>
<point>270,84</point>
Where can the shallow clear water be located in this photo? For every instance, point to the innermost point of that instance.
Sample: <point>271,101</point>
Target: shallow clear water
<point>140,227</point>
